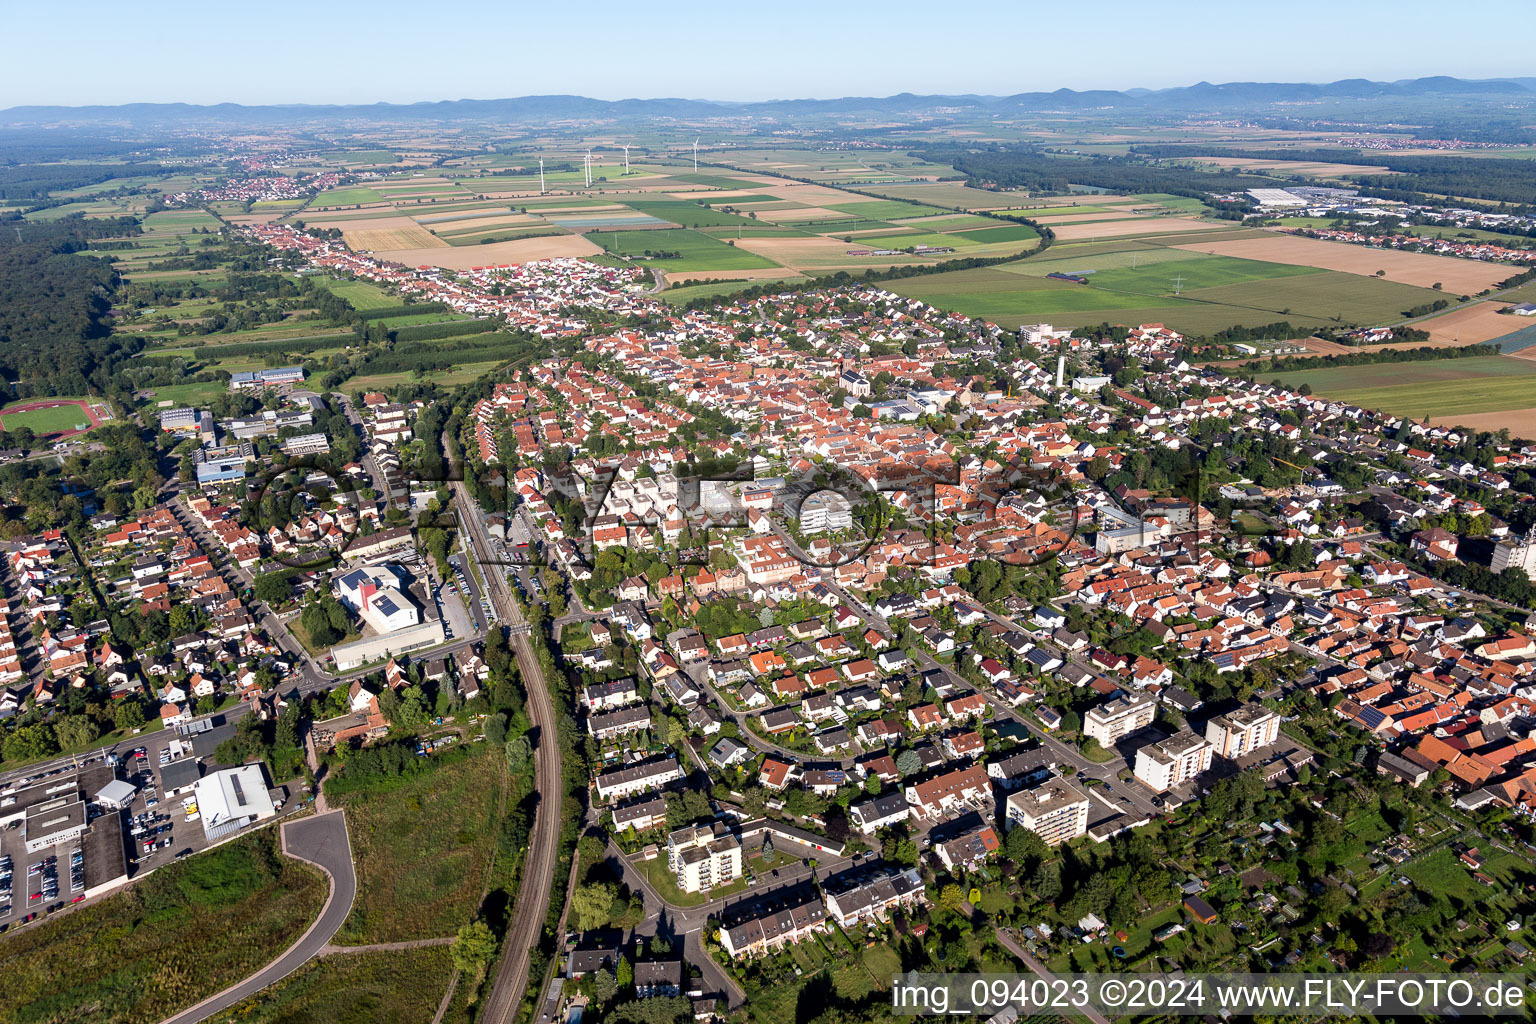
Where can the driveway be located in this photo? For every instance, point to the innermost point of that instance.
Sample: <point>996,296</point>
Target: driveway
<point>322,841</point>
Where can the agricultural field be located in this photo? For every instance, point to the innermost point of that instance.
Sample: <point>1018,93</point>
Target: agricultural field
<point>1143,283</point>
<point>695,251</point>
<point>1448,400</point>
<point>684,294</point>
<point>1483,393</point>
<point>379,987</point>
<point>1336,380</point>
<point>346,197</point>
<point>183,933</point>
<point>1419,269</point>
<point>423,846</point>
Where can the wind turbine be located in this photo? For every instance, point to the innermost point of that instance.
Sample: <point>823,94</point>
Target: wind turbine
<point>696,156</point>
<point>589,168</point>
<point>626,159</point>
<point>541,175</point>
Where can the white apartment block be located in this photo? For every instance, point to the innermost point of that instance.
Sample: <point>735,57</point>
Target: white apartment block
<point>1249,728</point>
<point>702,857</point>
<point>1114,720</point>
<point>1056,811</point>
<point>1173,762</point>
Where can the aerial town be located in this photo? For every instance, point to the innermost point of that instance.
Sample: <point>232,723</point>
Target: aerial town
<point>909,559</point>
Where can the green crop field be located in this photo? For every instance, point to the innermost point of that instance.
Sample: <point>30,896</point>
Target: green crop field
<point>1444,398</point>
<point>1334,380</point>
<point>347,197</point>
<point>686,214</point>
<point>758,230</point>
<point>886,209</point>
<point>1329,296</point>
<point>697,251</point>
<point>688,292</point>
<point>1213,293</point>
<point>366,156</point>
<point>502,234</point>
<point>1190,275</point>
<point>377,987</point>
<point>146,952</point>
<point>1059,259</point>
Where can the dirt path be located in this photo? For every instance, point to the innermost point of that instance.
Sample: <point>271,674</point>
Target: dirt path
<point>385,947</point>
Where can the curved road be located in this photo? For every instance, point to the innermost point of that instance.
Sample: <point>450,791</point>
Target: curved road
<point>322,841</point>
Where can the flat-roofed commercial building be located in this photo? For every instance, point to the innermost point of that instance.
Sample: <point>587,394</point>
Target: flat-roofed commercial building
<point>55,821</point>
<point>231,799</point>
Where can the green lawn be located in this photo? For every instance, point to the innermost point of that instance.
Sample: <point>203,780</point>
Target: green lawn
<point>356,988</point>
<point>363,295</point>
<point>696,251</point>
<point>183,933</point>
<point>197,393</point>
<point>423,847</point>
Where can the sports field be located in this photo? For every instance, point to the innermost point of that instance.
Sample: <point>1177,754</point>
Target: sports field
<point>53,416</point>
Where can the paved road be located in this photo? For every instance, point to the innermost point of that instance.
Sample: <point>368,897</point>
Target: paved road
<point>322,841</point>
<point>538,872</point>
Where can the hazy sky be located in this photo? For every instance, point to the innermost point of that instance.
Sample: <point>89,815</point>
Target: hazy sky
<point>284,51</point>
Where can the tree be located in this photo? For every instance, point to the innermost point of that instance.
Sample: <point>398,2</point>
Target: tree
<point>129,715</point>
<point>626,974</point>
<point>1024,846</point>
<point>473,948</point>
<point>273,588</point>
<point>592,904</point>
<point>76,731</point>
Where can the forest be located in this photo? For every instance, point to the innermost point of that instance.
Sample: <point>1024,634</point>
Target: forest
<point>1039,172</point>
<point>54,332</point>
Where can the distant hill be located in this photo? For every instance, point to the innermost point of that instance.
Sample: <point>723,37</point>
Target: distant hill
<point>1203,96</point>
